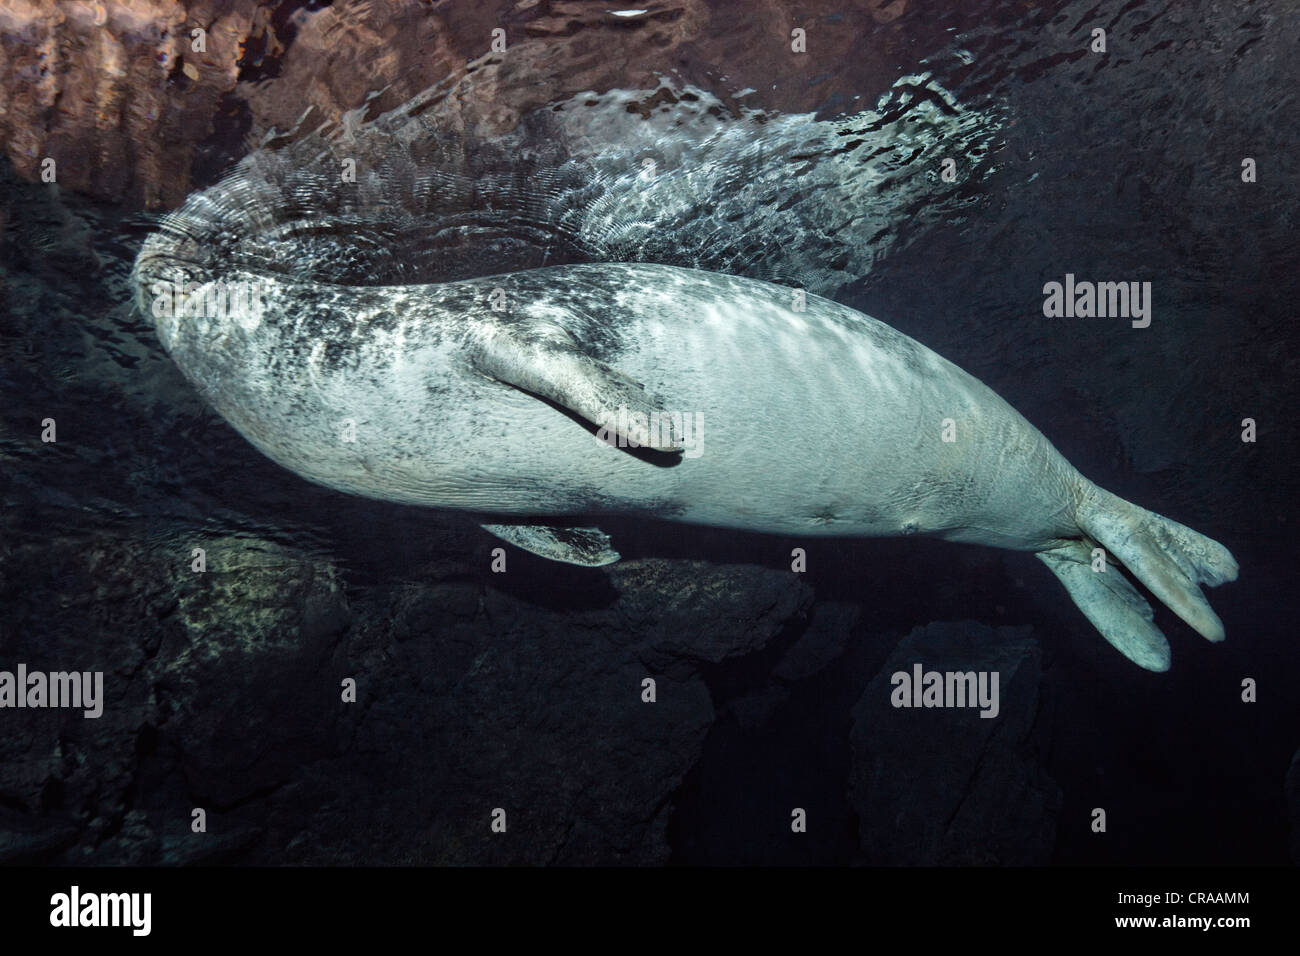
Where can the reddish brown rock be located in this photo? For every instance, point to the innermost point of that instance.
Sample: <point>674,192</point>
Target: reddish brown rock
<point>117,95</point>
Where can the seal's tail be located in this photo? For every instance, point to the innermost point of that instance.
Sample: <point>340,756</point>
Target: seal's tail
<point>1171,559</point>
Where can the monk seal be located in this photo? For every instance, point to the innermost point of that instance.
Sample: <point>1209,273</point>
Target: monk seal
<point>582,389</point>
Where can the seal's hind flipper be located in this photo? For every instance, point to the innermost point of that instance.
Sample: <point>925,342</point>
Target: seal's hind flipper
<point>543,358</point>
<point>1171,559</point>
<point>588,547</point>
<point>1109,600</point>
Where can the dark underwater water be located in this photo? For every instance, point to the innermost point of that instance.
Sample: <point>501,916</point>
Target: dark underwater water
<point>481,690</point>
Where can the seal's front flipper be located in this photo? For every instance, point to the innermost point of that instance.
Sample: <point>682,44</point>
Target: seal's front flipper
<point>1111,603</point>
<point>543,358</point>
<point>588,547</point>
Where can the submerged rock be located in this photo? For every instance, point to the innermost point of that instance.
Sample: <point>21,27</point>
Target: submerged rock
<point>225,692</point>
<point>943,785</point>
<point>822,643</point>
